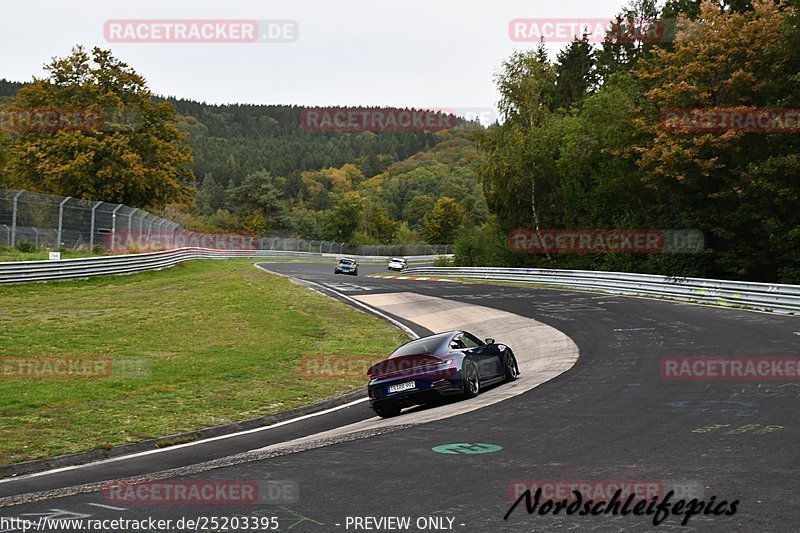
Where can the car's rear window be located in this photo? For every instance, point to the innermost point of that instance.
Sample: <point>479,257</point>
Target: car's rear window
<point>421,346</point>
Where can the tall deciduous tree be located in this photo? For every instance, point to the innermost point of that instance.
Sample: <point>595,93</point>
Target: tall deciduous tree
<point>741,188</point>
<point>517,169</point>
<point>137,156</point>
<point>261,193</point>
<point>442,224</point>
<point>343,220</point>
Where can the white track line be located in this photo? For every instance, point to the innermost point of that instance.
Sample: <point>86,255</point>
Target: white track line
<point>184,445</point>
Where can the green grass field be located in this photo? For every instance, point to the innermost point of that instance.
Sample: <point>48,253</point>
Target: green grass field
<point>212,342</point>
<point>12,254</point>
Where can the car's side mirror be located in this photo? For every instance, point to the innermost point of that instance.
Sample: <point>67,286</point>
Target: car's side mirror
<point>489,340</point>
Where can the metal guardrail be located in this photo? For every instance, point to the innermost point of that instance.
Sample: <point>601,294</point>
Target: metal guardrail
<point>764,296</point>
<point>80,268</point>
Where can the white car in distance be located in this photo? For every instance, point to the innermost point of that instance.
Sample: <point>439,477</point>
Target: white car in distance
<point>397,264</point>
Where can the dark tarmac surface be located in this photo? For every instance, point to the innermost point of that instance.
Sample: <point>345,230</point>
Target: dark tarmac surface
<point>611,417</point>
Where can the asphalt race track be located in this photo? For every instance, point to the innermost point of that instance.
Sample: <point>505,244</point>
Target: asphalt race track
<point>608,416</point>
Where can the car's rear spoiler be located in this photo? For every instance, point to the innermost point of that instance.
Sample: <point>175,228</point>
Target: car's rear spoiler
<point>403,364</point>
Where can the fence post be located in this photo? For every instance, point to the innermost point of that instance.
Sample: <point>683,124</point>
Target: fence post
<point>61,220</point>
<point>341,245</point>
<point>14,219</point>
<point>91,230</point>
<point>114,226</point>
<point>130,220</point>
<point>8,235</point>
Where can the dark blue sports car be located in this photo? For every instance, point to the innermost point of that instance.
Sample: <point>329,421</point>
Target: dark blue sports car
<point>455,363</point>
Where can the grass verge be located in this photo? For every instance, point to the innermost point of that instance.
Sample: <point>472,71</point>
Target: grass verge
<point>12,254</point>
<point>203,343</point>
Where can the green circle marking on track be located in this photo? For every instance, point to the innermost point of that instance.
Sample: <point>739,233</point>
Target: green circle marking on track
<point>467,448</point>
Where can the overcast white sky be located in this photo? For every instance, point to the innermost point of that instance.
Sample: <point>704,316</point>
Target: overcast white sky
<point>423,53</point>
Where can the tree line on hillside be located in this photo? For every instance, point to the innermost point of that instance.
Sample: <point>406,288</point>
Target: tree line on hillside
<point>238,167</point>
<point>232,141</point>
<point>429,197</point>
<point>582,145</point>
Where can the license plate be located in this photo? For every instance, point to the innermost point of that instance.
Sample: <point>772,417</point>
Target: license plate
<point>402,386</point>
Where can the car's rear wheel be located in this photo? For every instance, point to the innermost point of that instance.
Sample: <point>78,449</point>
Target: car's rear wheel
<point>512,369</point>
<point>472,381</point>
<point>386,410</point>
